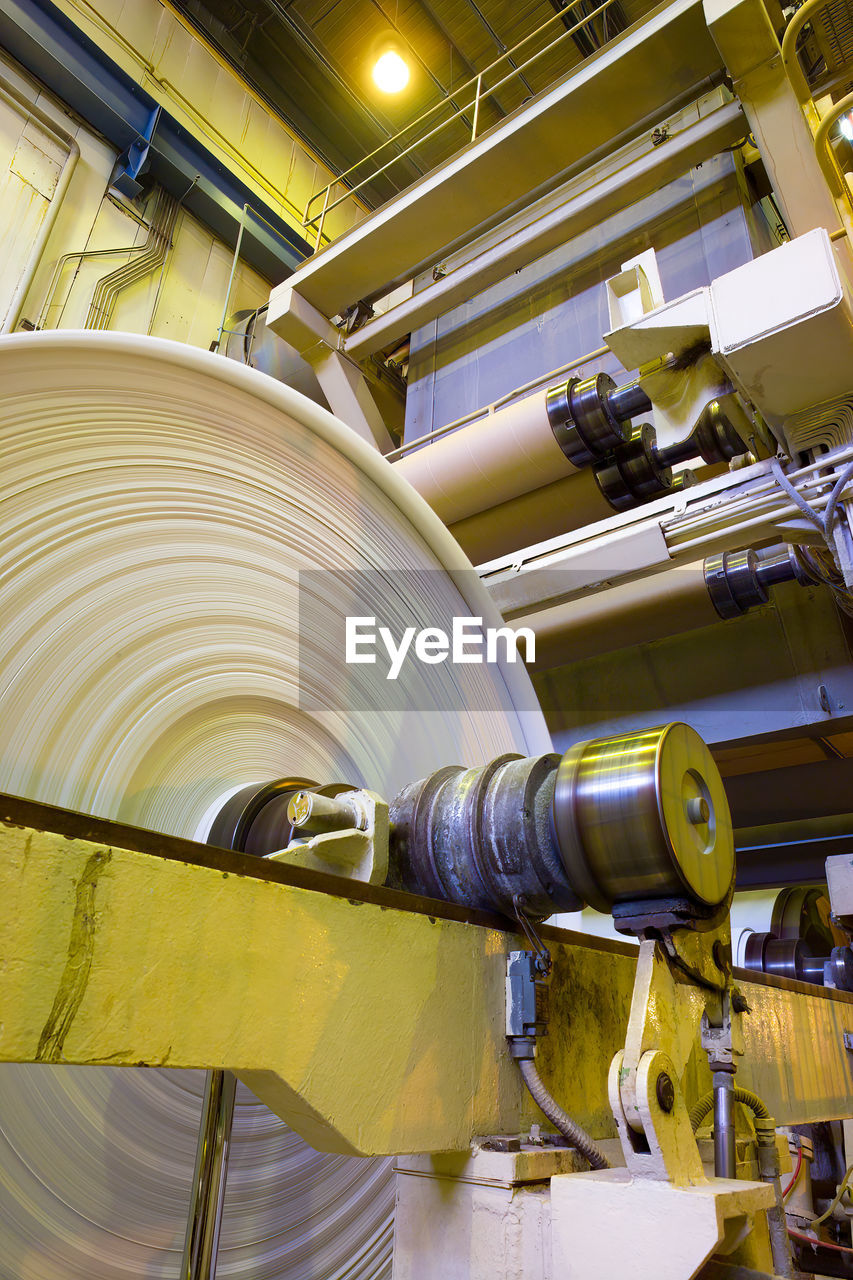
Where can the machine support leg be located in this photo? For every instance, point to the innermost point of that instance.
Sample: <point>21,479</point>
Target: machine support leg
<point>211,1167</point>
<point>724,1128</point>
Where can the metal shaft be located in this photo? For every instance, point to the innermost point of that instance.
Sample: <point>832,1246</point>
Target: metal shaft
<point>724,1128</point>
<point>211,1167</point>
<point>683,451</point>
<point>204,1224</point>
<point>775,565</point>
<point>313,814</point>
<point>626,402</point>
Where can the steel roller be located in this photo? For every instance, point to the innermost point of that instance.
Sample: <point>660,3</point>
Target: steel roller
<point>644,815</point>
<point>637,824</point>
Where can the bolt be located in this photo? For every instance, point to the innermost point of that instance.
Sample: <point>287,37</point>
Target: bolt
<point>698,810</point>
<point>722,956</point>
<point>309,812</point>
<point>665,1092</point>
<point>299,809</point>
<point>739,1002</point>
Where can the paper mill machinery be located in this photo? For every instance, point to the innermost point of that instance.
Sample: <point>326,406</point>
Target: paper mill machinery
<point>481,968</point>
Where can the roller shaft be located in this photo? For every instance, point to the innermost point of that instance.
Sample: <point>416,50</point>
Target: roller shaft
<point>637,817</point>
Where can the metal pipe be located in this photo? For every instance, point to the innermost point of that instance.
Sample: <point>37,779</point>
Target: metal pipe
<point>724,1128</point>
<point>790,61</point>
<point>775,565</point>
<point>156,247</point>
<point>777,1227</point>
<point>836,179</point>
<point>83,255</point>
<point>682,451</point>
<point>476,109</point>
<point>165,258</point>
<point>235,259</point>
<point>201,1245</point>
<point>307,811</point>
<point>20,104</point>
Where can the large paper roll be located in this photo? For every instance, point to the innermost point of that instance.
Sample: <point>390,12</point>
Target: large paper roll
<point>157,505</point>
<point>490,461</point>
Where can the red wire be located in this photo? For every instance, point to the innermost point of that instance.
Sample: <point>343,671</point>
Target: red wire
<point>796,1173</point>
<point>821,1244</point>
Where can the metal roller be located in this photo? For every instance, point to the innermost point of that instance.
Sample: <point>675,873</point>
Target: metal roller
<point>635,818</point>
<point>738,581</point>
<point>583,421</point>
<point>644,816</point>
<point>483,837</point>
<point>636,472</point>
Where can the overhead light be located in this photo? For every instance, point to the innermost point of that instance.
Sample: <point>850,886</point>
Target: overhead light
<point>847,126</point>
<point>391,74</point>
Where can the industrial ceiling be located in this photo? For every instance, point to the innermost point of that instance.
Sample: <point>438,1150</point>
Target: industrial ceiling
<point>312,60</point>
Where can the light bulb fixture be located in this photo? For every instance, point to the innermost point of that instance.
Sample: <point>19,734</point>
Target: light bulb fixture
<point>846,124</point>
<point>390,73</point>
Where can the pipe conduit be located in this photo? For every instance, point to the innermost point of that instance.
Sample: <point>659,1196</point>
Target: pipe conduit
<point>577,1136</point>
<point>19,103</point>
<point>746,1097</point>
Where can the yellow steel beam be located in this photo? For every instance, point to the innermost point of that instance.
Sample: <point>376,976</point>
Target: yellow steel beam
<point>369,1029</point>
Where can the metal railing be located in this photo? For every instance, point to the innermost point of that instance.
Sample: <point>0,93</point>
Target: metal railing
<point>476,83</point>
<point>247,211</point>
<point>821,128</point>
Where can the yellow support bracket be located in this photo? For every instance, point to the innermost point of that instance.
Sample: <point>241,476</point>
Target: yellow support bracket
<point>368,1027</point>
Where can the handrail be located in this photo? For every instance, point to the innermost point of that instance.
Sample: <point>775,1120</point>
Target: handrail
<point>835,177</point>
<point>790,61</point>
<point>487,410</point>
<point>476,82</point>
<point>831,169</point>
<point>438,105</point>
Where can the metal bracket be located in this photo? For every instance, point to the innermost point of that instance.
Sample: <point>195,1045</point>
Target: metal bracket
<point>359,850</point>
<point>133,162</point>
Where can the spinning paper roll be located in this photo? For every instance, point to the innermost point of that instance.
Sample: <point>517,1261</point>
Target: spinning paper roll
<point>157,504</point>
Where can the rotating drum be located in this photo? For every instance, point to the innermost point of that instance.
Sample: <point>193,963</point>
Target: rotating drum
<point>157,507</point>
<point>642,816</point>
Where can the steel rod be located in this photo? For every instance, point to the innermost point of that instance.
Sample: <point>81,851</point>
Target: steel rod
<point>476,414</point>
<point>724,1129</point>
<point>201,1246</point>
<point>234,261</point>
<point>626,402</point>
<point>476,109</point>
